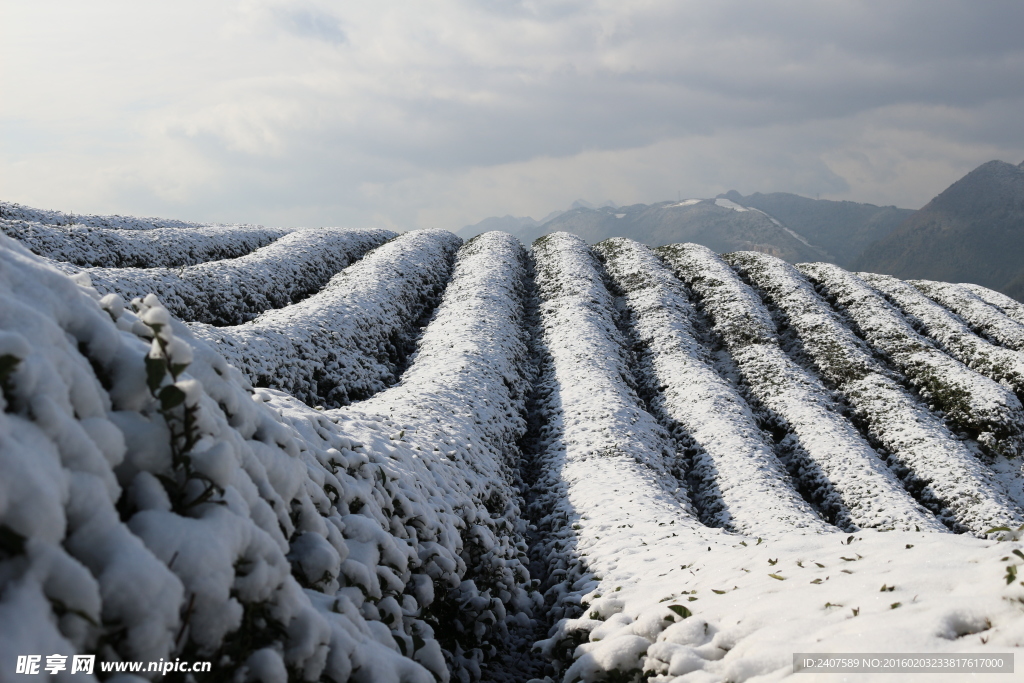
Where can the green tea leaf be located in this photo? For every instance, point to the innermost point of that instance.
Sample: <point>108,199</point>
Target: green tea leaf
<point>156,369</point>
<point>171,397</point>
<point>681,611</point>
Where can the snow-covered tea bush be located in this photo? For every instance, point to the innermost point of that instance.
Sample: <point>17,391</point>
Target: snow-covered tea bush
<point>738,481</point>
<point>459,409</point>
<point>973,403</point>
<point>1011,307</point>
<point>987,318</point>
<point>597,447</point>
<point>932,463</point>
<point>19,212</point>
<point>951,333</point>
<point>159,247</point>
<point>177,513</point>
<point>234,291</point>
<point>850,483</point>
<point>351,339</point>
<point>155,508</point>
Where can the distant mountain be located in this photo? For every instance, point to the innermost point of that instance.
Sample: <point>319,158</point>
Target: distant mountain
<point>844,229</point>
<point>584,204</point>
<point>521,225</point>
<point>718,224</point>
<point>512,224</point>
<point>972,232</point>
<point>791,227</point>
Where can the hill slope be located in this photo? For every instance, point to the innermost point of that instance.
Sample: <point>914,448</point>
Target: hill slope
<point>971,232</point>
<point>844,229</point>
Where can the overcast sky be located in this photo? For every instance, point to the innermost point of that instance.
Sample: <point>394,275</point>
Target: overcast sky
<point>439,113</point>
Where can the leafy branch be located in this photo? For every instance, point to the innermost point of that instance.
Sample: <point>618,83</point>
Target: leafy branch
<point>178,400</point>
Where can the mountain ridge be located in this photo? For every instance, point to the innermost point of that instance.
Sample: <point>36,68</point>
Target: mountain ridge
<point>843,228</point>
<point>971,231</point>
<point>781,224</point>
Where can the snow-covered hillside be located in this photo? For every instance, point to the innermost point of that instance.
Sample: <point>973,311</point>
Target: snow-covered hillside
<point>414,459</point>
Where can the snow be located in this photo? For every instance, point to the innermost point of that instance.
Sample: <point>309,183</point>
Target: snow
<point>234,291</point>
<point>754,600</point>
<point>277,518</point>
<point>952,334</point>
<point>942,471</point>
<point>728,204</point>
<point>790,231</point>
<point>971,402</point>
<point>746,623</point>
<point>460,406</point>
<point>988,319</point>
<point>158,247</point>
<point>520,482</point>
<point>12,211</point>
<point>1011,307</point>
<point>598,447</point>
<point>851,484</point>
<point>739,482</point>
<point>351,339</point>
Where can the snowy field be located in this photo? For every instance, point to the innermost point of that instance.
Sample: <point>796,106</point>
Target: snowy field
<point>409,458</point>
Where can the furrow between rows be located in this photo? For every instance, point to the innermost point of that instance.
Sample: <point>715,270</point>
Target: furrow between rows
<point>351,339</point>
<point>932,462</point>
<point>454,420</point>
<point>738,481</point>
<point>970,401</point>
<point>832,459</point>
<point>234,291</point>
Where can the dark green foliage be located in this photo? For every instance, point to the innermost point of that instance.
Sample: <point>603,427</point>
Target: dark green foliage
<point>7,365</point>
<point>12,544</point>
<point>681,611</point>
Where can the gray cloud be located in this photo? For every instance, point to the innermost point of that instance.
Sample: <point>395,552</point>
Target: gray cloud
<point>450,110</point>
